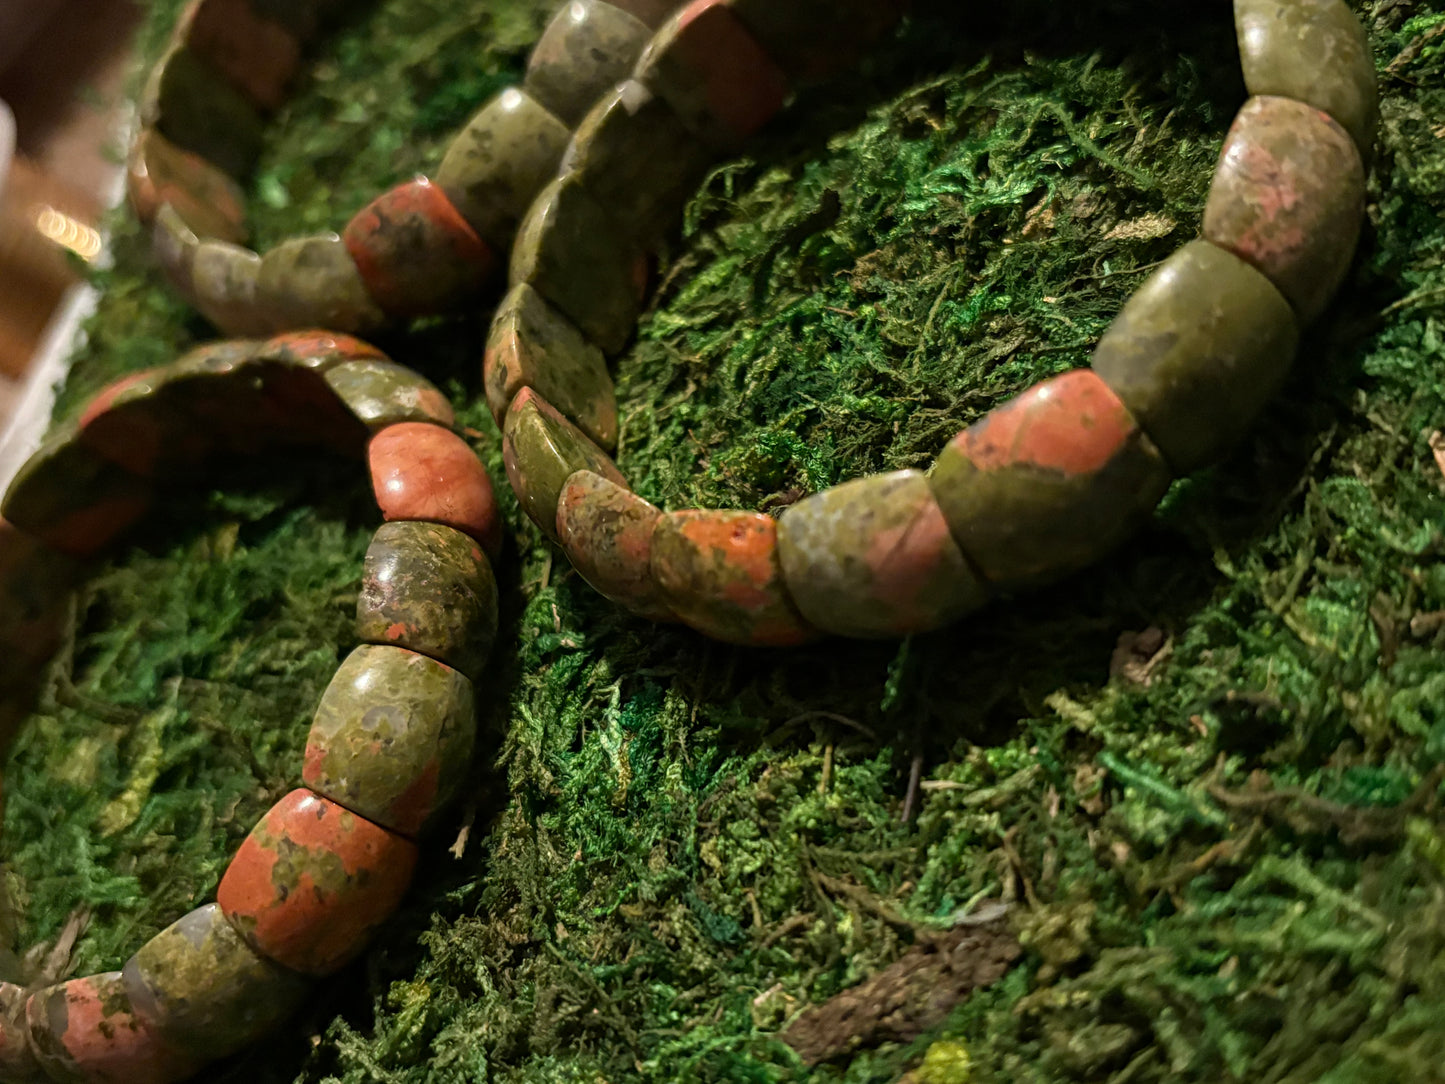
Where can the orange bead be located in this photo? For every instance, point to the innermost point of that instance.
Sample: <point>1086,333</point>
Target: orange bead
<point>425,472</point>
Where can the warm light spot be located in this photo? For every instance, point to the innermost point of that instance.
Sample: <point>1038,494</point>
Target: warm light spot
<point>68,233</point>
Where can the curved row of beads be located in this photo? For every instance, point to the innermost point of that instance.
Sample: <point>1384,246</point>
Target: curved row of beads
<point>391,738</point>
<point>419,249</point>
<point>1040,487</point>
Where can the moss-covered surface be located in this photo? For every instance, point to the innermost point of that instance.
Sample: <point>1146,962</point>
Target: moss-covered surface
<point>1226,862</point>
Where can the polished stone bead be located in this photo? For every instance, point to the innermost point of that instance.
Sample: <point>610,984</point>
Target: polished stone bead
<point>1316,52</point>
<point>638,161</point>
<point>1289,198</point>
<point>84,1030</point>
<point>541,450</point>
<point>428,588</point>
<point>652,13</point>
<point>18,1064</point>
<point>314,282</point>
<point>874,558</point>
<point>193,106</point>
<point>532,345</point>
<point>713,73</point>
<point>256,55</point>
<point>494,169</point>
<point>205,198</point>
<point>313,881</point>
<point>205,990</point>
<point>606,532</point>
<point>817,39</point>
<point>223,288</point>
<point>383,393</point>
<point>392,737</point>
<point>318,349</point>
<point>174,246</point>
<point>425,472</point>
<point>126,424</point>
<point>1198,351</point>
<point>589,46</point>
<point>569,251</point>
<point>416,253</point>
<point>718,571</point>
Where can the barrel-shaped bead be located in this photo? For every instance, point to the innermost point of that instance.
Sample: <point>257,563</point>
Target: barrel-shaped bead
<point>429,588</point>
<point>313,881</point>
<point>174,246</point>
<point>84,1030</point>
<point>205,197</point>
<point>606,532</point>
<point>1049,482</point>
<point>223,288</point>
<point>1289,198</point>
<point>874,558</point>
<point>314,282</point>
<point>383,393</point>
<point>1198,351</point>
<point>193,106</point>
<point>1315,51</point>
<point>494,169</point>
<point>416,253</point>
<point>425,472</point>
<point>541,450</point>
<point>814,39</point>
<point>713,73</point>
<point>205,990</point>
<point>532,345</point>
<point>718,571</point>
<point>589,46</point>
<point>318,349</point>
<point>256,55</point>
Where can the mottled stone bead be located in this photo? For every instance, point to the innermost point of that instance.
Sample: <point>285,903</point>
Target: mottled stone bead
<point>1289,198</point>
<point>125,423</point>
<point>314,282</point>
<point>425,472</point>
<point>1198,351</point>
<point>84,1030</point>
<point>1316,52</point>
<point>392,737</point>
<point>814,39</point>
<point>637,160</point>
<point>606,532</point>
<point>874,558</point>
<point>1049,482</point>
<point>713,73</point>
<point>428,588</point>
<point>18,1064</point>
<point>174,246</point>
<point>494,169</point>
<point>205,198</point>
<point>318,349</point>
<point>254,54</point>
<point>223,287</point>
<point>205,990</point>
<point>541,450</point>
<point>383,393</point>
<point>569,251</point>
<point>416,253</point>
<point>718,571</point>
<point>588,46</point>
<point>532,345</point>
<point>194,107</point>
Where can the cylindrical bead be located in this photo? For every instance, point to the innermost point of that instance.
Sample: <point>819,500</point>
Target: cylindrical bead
<point>588,46</point>
<point>314,282</point>
<point>254,54</point>
<point>425,472</point>
<point>606,532</point>
<point>205,197</point>
<point>541,450</point>
<point>382,393</point>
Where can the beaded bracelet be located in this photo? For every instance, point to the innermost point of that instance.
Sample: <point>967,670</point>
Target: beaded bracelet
<point>392,736</point>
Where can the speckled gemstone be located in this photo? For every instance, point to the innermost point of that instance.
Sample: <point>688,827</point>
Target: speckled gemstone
<point>174,246</point>
<point>205,198</point>
<point>126,424</point>
<point>706,65</point>
<point>314,282</point>
<point>254,54</point>
<point>1316,52</point>
<point>84,1030</point>
<point>205,990</point>
<point>718,571</point>
<point>313,881</point>
<point>589,46</point>
<point>1289,198</point>
<point>532,345</point>
<point>223,287</point>
<point>874,558</point>
<point>1049,482</point>
<point>606,532</point>
<point>17,1059</point>
<point>815,39</point>
<point>383,393</point>
<point>318,349</point>
<point>541,450</point>
<point>193,106</point>
<point>425,472</point>
<point>1198,351</point>
<point>416,253</point>
<point>428,588</point>
<point>392,738</point>
<point>494,169</point>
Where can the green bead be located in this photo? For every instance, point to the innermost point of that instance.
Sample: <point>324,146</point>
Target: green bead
<point>494,169</point>
<point>382,393</point>
<point>541,450</point>
<point>874,558</point>
<point>606,532</point>
<point>1198,351</point>
<point>223,286</point>
<point>569,251</point>
<point>313,282</point>
<point>532,345</point>
<point>429,588</point>
<point>392,737</point>
<point>1316,52</point>
<point>175,247</point>
<point>589,46</point>
<point>198,110</point>
<point>205,990</point>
